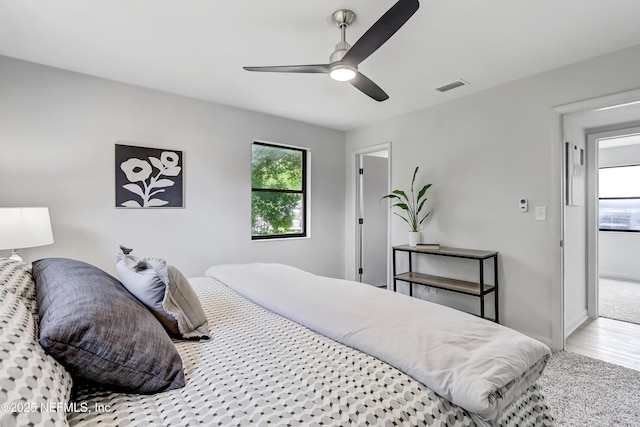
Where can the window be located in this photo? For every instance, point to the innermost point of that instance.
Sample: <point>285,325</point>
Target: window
<point>619,204</point>
<point>278,191</point>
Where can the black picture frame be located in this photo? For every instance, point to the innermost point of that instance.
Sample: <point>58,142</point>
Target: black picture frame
<point>148,177</point>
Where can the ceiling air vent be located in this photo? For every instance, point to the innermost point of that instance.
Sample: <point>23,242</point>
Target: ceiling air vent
<point>452,85</point>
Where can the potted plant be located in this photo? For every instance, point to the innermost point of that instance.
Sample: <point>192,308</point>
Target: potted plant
<point>411,208</point>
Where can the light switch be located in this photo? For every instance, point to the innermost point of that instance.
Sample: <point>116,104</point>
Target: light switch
<point>541,213</point>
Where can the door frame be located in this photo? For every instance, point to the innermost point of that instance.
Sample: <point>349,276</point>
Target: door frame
<point>622,99</point>
<point>357,162</point>
<point>593,150</point>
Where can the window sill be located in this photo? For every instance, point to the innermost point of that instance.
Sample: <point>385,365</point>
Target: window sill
<point>279,239</point>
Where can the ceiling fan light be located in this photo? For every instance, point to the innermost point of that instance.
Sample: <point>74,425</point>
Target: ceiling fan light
<point>342,73</point>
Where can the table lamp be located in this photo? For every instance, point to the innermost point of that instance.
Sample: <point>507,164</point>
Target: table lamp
<point>24,228</point>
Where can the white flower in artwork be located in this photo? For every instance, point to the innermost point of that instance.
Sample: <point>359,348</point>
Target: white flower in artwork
<point>168,163</point>
<point>169,159</point>
<point>136,170</point>
<point>140,171</point>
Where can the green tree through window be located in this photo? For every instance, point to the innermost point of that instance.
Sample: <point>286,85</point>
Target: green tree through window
<point>278,191</point>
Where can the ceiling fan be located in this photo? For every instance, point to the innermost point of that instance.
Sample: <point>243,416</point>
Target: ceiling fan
<point>344,61</point>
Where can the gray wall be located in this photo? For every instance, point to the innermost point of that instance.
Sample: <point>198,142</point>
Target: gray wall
<point>485,151</point>
<point>57,136</point>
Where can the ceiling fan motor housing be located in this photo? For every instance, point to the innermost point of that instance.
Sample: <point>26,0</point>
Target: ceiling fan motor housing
<point>342,18</point>
<point>341,49</point>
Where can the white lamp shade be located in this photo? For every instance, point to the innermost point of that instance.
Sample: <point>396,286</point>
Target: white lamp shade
<point>24,228</point>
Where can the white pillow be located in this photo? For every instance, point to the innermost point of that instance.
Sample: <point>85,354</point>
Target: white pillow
<point>165,292</point>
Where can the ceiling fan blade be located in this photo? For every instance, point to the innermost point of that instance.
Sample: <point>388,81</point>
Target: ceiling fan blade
<point>368,87</point>
<point>381,31</point>
<point>314,68</point>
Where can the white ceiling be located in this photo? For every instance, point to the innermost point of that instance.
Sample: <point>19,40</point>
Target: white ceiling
<point>198,47</point>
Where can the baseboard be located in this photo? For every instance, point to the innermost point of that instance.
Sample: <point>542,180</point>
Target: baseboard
<point>622,277</point>
<point>574,324</point>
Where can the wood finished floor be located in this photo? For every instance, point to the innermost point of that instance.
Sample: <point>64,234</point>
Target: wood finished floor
<point>610,340</point>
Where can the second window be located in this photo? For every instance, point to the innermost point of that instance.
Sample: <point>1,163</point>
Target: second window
<point>278,191</point>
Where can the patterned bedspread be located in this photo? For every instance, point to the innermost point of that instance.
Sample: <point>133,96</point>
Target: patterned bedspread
<point>261,369</point>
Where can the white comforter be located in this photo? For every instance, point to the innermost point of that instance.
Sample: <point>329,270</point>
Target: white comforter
<point>474,363</point>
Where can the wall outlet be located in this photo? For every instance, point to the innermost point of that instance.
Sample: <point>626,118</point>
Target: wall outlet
<point>523,204</point>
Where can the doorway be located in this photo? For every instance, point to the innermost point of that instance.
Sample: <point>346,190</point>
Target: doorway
<point>616,204</point>
<point>584,247</point>
<point>372,217</point>
<point>579,226</point>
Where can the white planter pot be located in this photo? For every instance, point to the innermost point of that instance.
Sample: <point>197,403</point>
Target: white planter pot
<point>415,237</point>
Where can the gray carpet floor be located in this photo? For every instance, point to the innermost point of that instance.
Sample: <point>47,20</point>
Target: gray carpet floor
<point>585,392</point>
<point>619,300</point>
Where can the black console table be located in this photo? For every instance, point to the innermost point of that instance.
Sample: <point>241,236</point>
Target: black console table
<point>477,289</point>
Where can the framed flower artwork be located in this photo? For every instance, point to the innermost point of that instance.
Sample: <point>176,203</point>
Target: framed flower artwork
<point>148,177</point>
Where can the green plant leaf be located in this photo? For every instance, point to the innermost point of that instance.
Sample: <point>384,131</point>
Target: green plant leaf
<point>420,207</point>
<point>425,217</point>
<point>423,191</point>
<point>415,172</point>
<point>402,206</point>
<point>411,205</point>
<point>402,193</point>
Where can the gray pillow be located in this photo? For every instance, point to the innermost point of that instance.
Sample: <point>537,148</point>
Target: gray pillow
<point>100,332</point>
<point>166,292</point>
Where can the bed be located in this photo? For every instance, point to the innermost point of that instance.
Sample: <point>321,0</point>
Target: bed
<point>263,366</point>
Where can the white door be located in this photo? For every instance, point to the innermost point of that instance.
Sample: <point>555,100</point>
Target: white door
<point>373,218</point>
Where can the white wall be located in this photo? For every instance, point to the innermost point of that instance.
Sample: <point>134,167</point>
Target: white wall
<point>618,255</point>
<point>483,153</point>
<point>57,136</point>
<point>618,251</point>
